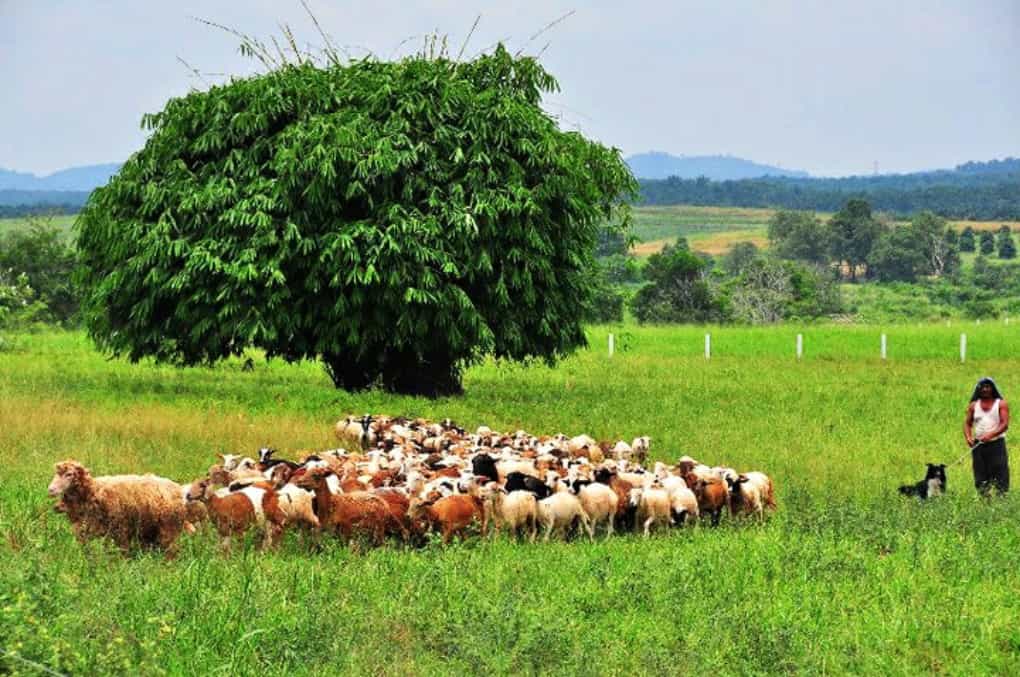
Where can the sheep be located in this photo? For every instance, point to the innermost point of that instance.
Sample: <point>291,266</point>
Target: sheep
<point>640,447</point>
<point>143,509</point>
<point>516,481</point>
<point>712,494</point>
<point>347,513</point>
<point>624,511</point>
<point>297,506</point>
<point>599,503</point>
<point>683,502</point>
<point>452,514</point>
<point>559,511</point>
<point>765,486</point>
<point>235,512</point>
<point>513,510</point>
<point>622,451</point>
<point>745,497</point>
<point>653,505</point>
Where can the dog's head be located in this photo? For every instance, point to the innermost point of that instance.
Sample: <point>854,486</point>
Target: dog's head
<point>936,471</point>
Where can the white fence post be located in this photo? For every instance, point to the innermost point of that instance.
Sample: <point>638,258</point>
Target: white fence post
<point>883,346</point>
<point>963,347</point>
<point>611,345</point>
<point>800,345</point>
<point>708,346</point>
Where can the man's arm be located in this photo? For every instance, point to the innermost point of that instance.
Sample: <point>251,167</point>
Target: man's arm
<point>968,424</point>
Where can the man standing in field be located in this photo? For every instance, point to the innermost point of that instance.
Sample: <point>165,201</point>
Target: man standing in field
<point>984,428</point>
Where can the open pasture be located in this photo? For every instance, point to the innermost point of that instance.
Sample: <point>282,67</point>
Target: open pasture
<point>847,576</point>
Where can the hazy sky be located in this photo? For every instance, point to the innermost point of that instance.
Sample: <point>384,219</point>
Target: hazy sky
<point>827,86</point>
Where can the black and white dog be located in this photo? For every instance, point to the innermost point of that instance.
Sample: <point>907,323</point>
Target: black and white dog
<point>933,484</point>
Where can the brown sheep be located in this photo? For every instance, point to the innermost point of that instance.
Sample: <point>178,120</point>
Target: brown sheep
<point>349,513</point>
<point>142,509</point>
<point>235,512</point>
<point>451,514</point>
<point>713,495</point>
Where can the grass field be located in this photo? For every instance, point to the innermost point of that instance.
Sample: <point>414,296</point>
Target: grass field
<point>846,577</point>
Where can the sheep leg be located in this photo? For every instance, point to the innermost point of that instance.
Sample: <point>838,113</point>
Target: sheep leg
<point>533,528</point>
<point>609,531</point>
<point>548,530</point>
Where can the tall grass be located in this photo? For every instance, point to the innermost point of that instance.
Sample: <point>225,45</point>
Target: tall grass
<point>846,577</point>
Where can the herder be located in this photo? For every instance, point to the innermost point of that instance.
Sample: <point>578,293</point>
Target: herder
<point>984,428</point>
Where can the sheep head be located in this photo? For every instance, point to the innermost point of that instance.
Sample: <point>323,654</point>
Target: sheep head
<point>199,490</point>
<point>66,475</point>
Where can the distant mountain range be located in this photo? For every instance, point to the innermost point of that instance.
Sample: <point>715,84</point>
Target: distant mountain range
<point>85,178</point>
<point>659,165</point>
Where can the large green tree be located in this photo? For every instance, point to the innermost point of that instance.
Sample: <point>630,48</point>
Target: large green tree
<point>852,233</point>
<point>396,220</point>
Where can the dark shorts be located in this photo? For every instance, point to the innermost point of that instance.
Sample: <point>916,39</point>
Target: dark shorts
<point>991,466</point>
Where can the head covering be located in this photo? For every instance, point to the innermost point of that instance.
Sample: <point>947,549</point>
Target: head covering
<point>981,382</point>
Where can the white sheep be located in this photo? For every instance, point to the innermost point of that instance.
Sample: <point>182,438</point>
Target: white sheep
<point>599,503</point>
<point>559,511</point>
<point>512,510</point>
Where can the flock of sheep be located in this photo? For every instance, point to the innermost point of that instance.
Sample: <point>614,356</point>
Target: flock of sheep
<point>413,477</point>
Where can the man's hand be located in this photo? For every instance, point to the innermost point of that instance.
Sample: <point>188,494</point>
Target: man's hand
<point>970,441</point>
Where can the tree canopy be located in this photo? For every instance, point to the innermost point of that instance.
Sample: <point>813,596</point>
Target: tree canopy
<point>396,219</point>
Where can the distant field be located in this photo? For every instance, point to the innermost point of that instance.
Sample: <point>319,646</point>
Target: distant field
<point>847,577</point>
<point>714,230</point>
<point>63,222</point>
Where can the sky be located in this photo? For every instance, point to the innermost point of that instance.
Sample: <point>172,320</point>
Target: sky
<point>834,88</point>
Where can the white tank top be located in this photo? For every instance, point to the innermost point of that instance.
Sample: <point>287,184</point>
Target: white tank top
<point>986,421</point>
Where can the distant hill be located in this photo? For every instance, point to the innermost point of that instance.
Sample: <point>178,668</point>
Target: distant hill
<point>658,165</point>
<point>85,179</point>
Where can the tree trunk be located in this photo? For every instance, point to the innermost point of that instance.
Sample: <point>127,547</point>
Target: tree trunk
<point>346,373</point>
<point>433,376</point>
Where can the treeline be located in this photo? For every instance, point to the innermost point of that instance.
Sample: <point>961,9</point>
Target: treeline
<point>968,193</point>
<point>18,211</point>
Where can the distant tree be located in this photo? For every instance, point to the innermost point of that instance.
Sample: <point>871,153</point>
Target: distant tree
<point>678,289</point>
<point>1003,230</point>
<point>769,290</point>
<point>1005,245</point>
<point>739,257</point>
<point>967,240</point>
<point>395,220</point>
<point>987,242</point>
<point>48,261</point>
<point>852,233</point>
<point>798,235</point>
<point>934,242</point>
<point>898,255</point>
